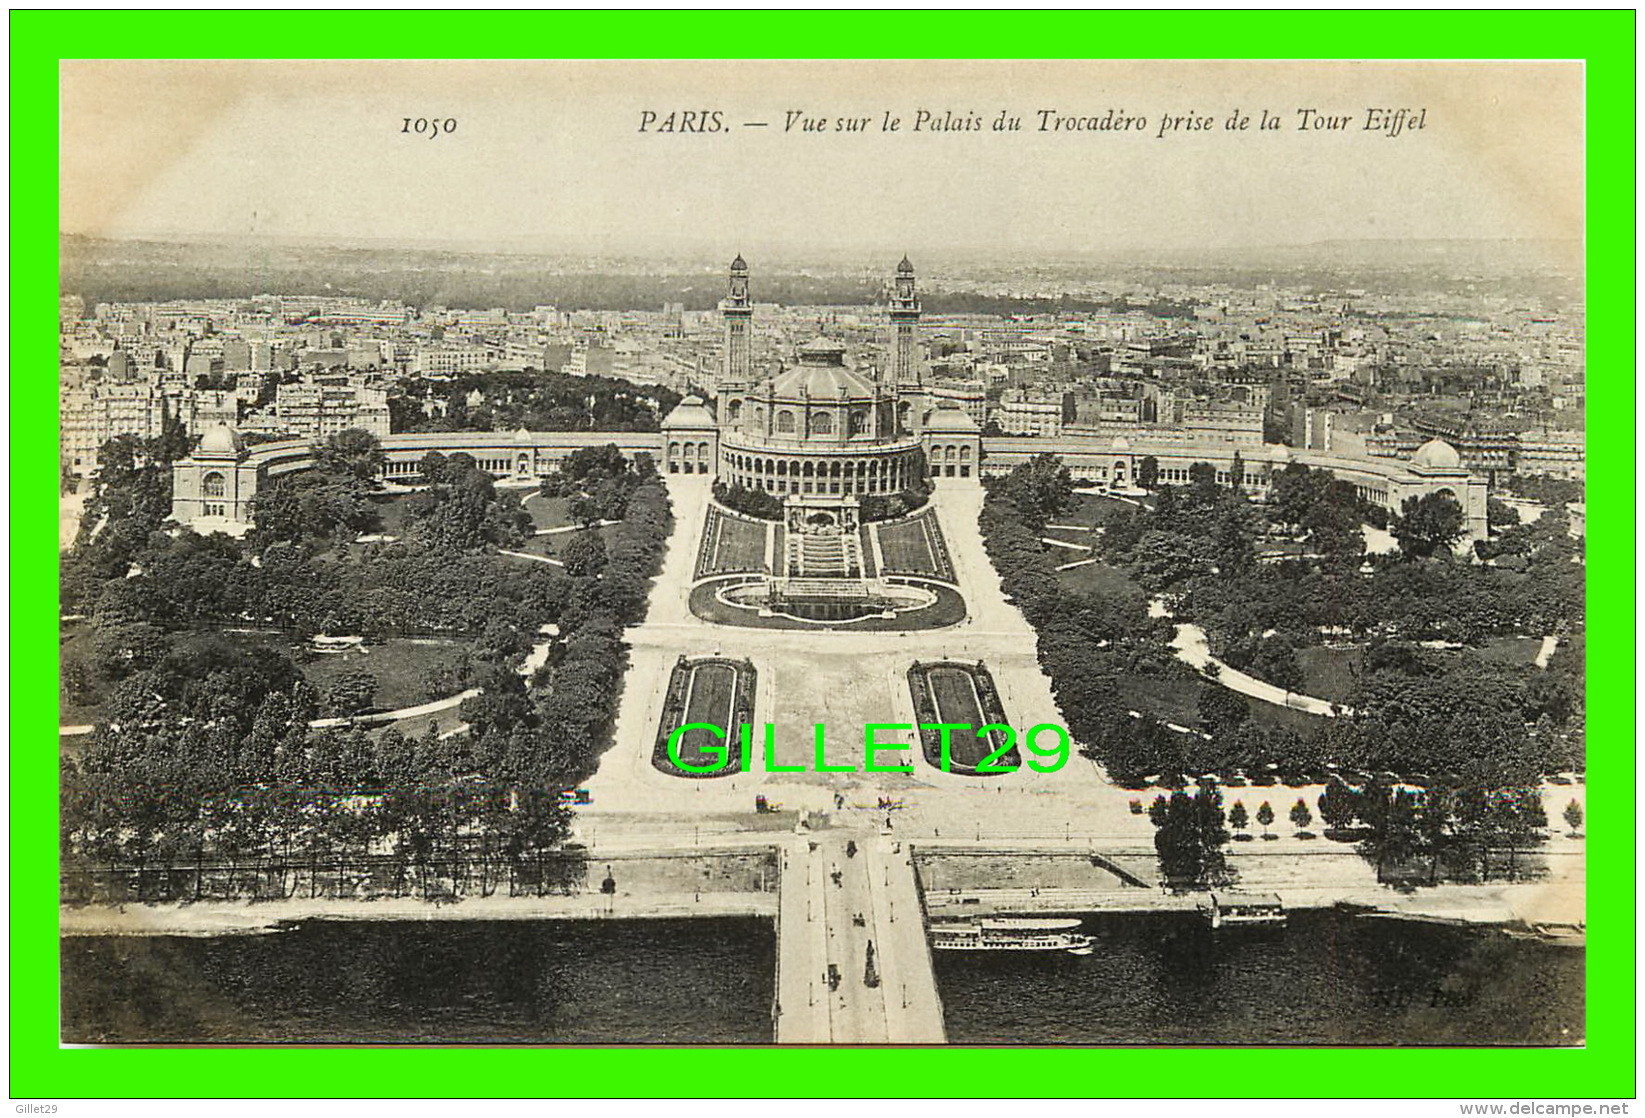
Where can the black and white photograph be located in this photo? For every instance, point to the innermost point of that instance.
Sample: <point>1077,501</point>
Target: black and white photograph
<point>862,553</point>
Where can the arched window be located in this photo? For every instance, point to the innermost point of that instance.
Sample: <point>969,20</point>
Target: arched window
<point>734,410</point>
<point>785,422</point>
<point>822,424</point>
<point>214,485</point>
<point>859,421</point>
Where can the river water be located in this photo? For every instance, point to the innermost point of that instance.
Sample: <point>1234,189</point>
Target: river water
<point>453,981</point>
<point>1325,978</point>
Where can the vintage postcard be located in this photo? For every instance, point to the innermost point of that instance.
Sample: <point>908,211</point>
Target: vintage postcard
<point>825,553</point>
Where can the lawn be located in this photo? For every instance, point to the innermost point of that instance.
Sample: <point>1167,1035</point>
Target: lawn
<point>915,547</point>
<point>955,694</point>
<point>401,668</point>
<point>1176,699</point>
<point>708,691</point>
<point>713,687</point>
<point>948,609</point>
<point>553,545</point>
<point>731,545</point>
<point>1329,673</point>
<point>1093,509</point>
<point>1097,578</point>
<point>547,512</point>
<point>394,511</point>
<point>1511,650</point>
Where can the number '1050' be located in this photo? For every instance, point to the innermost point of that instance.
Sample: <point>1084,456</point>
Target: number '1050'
<point>429,126</point>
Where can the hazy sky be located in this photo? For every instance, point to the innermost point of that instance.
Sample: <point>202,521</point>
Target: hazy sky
<point>550,152</point>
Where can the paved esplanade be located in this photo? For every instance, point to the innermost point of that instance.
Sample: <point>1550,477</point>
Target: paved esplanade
<point>842,680</point>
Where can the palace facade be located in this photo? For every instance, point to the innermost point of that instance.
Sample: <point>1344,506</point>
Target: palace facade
<point>815,425</point>
<point>816,430</point>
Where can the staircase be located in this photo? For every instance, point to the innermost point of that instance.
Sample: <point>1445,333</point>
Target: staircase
<point>819,555</point>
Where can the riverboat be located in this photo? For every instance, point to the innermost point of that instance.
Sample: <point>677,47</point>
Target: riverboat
<point>1234,910</point>
<point>1010,934</point>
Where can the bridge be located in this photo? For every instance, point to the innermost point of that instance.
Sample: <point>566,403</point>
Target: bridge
<point>833,905</point>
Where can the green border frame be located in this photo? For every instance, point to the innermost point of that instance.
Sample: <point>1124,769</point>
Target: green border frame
<point>1604,1069</point>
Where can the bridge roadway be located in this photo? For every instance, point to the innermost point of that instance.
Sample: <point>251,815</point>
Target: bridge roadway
<point>824,890</point>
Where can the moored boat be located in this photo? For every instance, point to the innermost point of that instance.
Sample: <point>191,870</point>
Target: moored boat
<point>1010,934</point>
<point>1232,910</point>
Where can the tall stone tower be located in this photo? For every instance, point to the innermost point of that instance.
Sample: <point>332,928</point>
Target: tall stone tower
<point>904,371</point>
<point>905,322</point>
<point>738,310</point>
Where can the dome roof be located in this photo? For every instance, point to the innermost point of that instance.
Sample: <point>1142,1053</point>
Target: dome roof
<point>950,417</point>
<point>691,412</point>
<point>1121,443</point>
<point>221,439</point>
<point>1280,453</point>
<point>739,264</point>
<point>823,348</point>
<point>822,382</point>
<point>1437,454</point>
<point>822,373</point>
<point>905,268</point>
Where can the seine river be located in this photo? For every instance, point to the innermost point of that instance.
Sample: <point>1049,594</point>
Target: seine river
<point>1326,978</point>
<point>396,981</point>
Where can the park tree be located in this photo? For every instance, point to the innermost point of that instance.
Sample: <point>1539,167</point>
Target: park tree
<point>584,553</point>
<point>351,692</point>
<point>1276,661</point>
<point>1234,552</point>
<point>433,468</point>
<point>1040,488</point>
<point>1265,816</point>
<point>1515,820</point>
<point>464,511</point>
<point>1190,839</point>
<point>352,452</point>
<point>1238,818</point>
<point>1435,815</point>
<point>1500,514</point>
<point>1202,476</point>
<point>1222,711</point>
<point>1427,525</point>
<point>1301,817</point>
<point>1148,472</point>
<point>1573,817</point>
<point>1392,816</point>
<point>311,505</point>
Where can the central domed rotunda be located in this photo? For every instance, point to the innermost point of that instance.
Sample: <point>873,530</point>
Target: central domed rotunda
<point>816,427</point>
